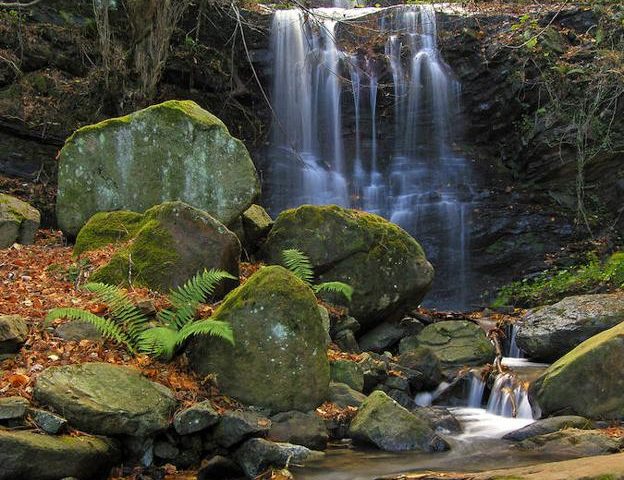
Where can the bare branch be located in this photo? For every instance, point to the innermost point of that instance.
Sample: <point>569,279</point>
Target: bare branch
<point>19,4</point>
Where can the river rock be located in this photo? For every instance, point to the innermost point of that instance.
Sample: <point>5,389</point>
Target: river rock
<point>346,371</point>
<point>196,418</point>
<point>386,267</point>
<point>548,425</point>
<point>256,225</point>
<point>382,422</point>
<point>13,407</point>
<point>572,441</point>
<point>18,221</point>
<point>27,455</point>
<point>106,399</point>
<point>440,419</point>
<point>236,426</point>
<point>279,360</point>
<point>386,335</point>
<point>13,333</point>
<point>171,151</point>
<point>48,421</point>
<point>162,248</point>
<point>425,361</point>
<point>547,333</point>
<point>587,381</point>
<point>457,343</point>
<point>344,396</point>
<point>300,428</point>
<point>257,455</point>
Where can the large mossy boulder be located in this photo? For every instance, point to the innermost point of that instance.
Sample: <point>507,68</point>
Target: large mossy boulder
<point>548,333</point>
<point>587,381</point>
<point>174,150</point>
<point>457,343</point>
<point>279,360</point>
<point>18,221</point>
<point>386,267</point>
<point>106,399</point>
<point>32,456</point>
<point>382,422</point>
<point>162,248</point>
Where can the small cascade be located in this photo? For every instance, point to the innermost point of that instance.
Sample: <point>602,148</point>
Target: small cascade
<point>509,398</point>
<point>514,350</point>
<point>425,399</point>
<point>477,389</point>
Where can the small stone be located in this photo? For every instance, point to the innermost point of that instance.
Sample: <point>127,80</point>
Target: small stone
<point>48,422</point>
<point>13,407</point>
<point>76,331</point>
<point>257,455</point>
<point>236,426</point>
<point>305,429</point>
<point>196,418</point>
<point>344,396</point>
<point>13,333</point>
<point>165,450</point>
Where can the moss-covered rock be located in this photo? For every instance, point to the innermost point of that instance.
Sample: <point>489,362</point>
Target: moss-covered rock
<point>174,150</point>
<point>161,248</point>
<point>279,360</point>
<point>106,399</point>
<point>457,343</point>
<point>28,455</point>
<point>256,224</point>
<point>385,266</point>
<point>382,422</point>
<point>347,372</point>
<point>18,221</point>
<point>587,381</point>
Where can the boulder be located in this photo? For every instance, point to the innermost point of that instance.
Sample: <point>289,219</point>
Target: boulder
<point>279,360</point>
<point>548,333</point>
<point>237,426</point>
<point>345,371</point>
<point>587,381</point>
<point>106,399</point>
<point>13,407</point>
<point>171,151</point>
<point>385,266</point>
<point>425,361</point>
<point>162,248</point>
<point>344,396</point>
<point>548,425</point>
<point>18,221</point>
<point>382,422</point>
<point>257,455</point>
<point>572,441</point>
<point>196,418</point>
<point>27,455</point>
<point>300,428</point>
<point>13,333</point>
<point>457,343</point>
<point>256,224</point>
<point>440,419</point>
<point>386,335</point>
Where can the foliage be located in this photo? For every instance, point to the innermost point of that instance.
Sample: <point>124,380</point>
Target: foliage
<point>127,325</point>
<point>552,285</point>
<point>299,264</point>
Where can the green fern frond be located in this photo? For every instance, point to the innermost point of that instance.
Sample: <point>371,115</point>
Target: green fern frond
<point>215,328</point>
<point>159,341</point>
<point>299,264</point>
<point>107,327</point>
<point>121,308</point>
<point>335,287</point>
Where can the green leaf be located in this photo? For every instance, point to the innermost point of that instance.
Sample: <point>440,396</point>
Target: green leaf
<point>215,328</point>
<point>299,264</point>
<point>335,287</point>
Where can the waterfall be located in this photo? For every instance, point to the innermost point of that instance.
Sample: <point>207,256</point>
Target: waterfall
<point>514,350</point>
<point>477,389</point>
<point>326,145</point>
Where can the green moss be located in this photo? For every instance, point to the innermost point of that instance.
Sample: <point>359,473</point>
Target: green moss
<point>106,228</point>
<point>18,209</point>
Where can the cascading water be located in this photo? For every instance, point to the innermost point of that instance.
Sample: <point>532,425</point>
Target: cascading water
<point>416,180</point>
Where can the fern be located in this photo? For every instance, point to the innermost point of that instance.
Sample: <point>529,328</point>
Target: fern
<point>159,341</point>
<point>299,264</point>
<point>207,326</point>
<point>335,287</point>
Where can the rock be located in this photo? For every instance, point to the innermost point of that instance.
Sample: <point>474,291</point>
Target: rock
<point>381,421</point>
<point>257,455</point>
<point>385,266</point>
<point>457,343</point>
<point>256,224</point>
<point>344,396</point>
<point>279,360</point>
<point>196,418</point>
<point>236,426</point>
<point>18,221</point>
<point>13,333</point>
<point>547,333</point>
<point>408,343</point>
<point>325,321</point>
<point>162,248</point>
<point>548,425</point>
<point>305,429</point>
<point>440,419</point>
<point>386,335</point>
<point>190,154</point>
<point>343,322</point>
<point>572,441</point>
<point>106,399</point>
<point>423,360</point>
<point>77,330</point>
<point>220,467</point>
<point>13,407</point>
<point>345,339</point>
<point>48,421</point>
<point>166,450</point>
<point>345,371</point>
<point>596,365</point>
<point>27,455</point>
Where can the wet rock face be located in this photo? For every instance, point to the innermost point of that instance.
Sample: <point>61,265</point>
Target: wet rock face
<point>548,333</point>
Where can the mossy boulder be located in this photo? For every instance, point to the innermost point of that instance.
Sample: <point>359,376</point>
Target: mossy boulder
<point>162,248</point>
<point>170,151</point>
<point>32,456</point>
<point>18,221</point>
<point>574,442</point>
<point>587,381</point>
<point>548,333</point>
<point>256,224</point>
<point>347,372</point>
<point>386,267</point>
<point>106,399</point>
<point>382,422</point>
<point>457,343</point>
<point>279,360</point>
